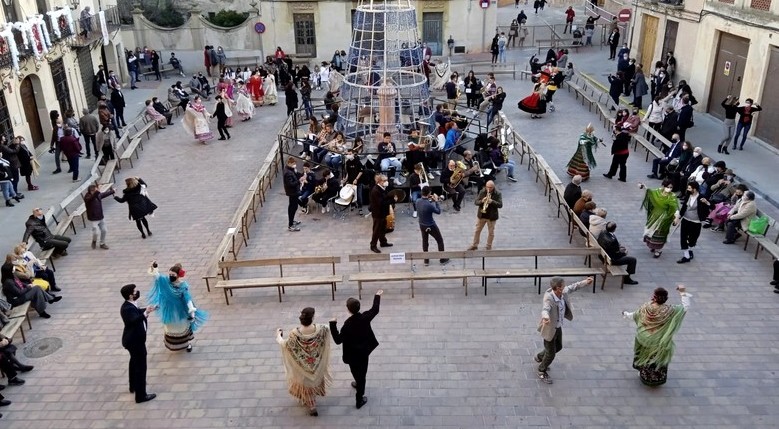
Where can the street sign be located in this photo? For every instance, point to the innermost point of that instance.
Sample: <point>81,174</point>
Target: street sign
<point>624,15</point>
<point>484,4</point>
<point>259,27</point>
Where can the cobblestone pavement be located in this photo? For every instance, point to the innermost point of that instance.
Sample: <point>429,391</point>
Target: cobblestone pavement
<point>445,360</point>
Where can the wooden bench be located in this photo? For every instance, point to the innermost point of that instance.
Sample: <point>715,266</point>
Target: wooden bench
<point>412,275</point>
<point>147,126</point>
<point>109,172</point>
<point>609,269</point>
<point>511,270</point>
<point>650,148</point>
<point>763,241</point>
<point>280,282</point>
<point>131,149</point>
<point>163,72</point>
<point>79,211</point>
<point>16,321</point>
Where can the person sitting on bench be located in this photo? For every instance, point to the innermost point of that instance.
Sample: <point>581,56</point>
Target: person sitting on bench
<point>618,254</point>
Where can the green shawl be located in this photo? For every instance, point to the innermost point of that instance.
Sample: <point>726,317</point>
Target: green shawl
<point>657,325</point>
<point>588,144</point>
<point>660,211</point>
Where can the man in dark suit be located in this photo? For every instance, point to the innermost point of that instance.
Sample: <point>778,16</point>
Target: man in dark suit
<point>673,152</point>
<point>618,254</point>
<point>221,118</point>
<point>358,340</point>
<point>620,151</point>
<point>117,100</point>
<point>379,204</point>
<point>134,340</point>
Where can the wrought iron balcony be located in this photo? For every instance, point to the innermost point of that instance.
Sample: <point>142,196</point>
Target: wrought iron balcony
<point>88,30</point>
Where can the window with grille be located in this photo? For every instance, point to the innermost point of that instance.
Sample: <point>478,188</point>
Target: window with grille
<point>761,4</point>
<point>6,128</point>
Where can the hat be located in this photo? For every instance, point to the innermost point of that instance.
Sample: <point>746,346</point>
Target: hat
<point>729,172</point>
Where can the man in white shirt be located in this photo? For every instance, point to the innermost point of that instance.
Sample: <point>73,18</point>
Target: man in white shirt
<point>556,306</point>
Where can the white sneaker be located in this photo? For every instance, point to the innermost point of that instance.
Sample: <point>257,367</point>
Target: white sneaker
<point>328,209</point>
<point>414,214</point>
<point>430,176</point>
<point>323,209</point>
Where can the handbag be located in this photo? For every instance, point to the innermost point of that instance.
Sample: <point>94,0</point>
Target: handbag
<point>758,225</point>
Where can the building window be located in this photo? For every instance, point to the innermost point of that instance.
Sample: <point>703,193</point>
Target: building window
<point>6,128</point>
<point>761,4</point>
<point>305,36</point>
<point>60,84</point>
<point>10,13</point>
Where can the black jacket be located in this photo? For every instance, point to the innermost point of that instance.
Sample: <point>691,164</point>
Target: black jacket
<point>94,205</point>
<point>139,205</point>
<point>219,112</point>
<point>291,182</point>
<point>685,117</point>
<point>134,334</point>
<point>609,243</point>
<point>117,99</point>
<point>572,193</point>
<point>160,107</point>
<point>669,125</point>
<point>702,208</point>
<point>356,333</point>
<point>379,202</point>
<point>37,229</point>
<point>492,208</point>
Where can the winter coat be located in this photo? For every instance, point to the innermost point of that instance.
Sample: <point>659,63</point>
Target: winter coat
<point>94,205</point>
<point>139,205</point>
<point>640,87</point>
<point>89,125</point>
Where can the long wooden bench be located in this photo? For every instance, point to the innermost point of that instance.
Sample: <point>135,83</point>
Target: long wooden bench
<point>281,281</point>
<point>16,321</point>
<point>649,147</point>
<point>609,269</point>
<point>511,270</point>
<point>132,148</point>
<point>763,241</point>
<point>394,272</point>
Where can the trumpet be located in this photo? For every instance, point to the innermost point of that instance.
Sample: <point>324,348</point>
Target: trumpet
<point>486,202</point>
<point>477,167</point>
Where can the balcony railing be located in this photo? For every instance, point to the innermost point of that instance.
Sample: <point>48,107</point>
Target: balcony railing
<point>88,30</point>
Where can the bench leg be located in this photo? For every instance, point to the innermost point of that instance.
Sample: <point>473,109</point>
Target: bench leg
<point>227,298</point>
<point>465,285</point>
<point>27,316</point>
<point>538,280</point>
<point>603,283</point>
<point>279,290</point>
<point>332,290</point>
<point>412,288</point>
<point>594,282</point>
<point>208,285</point>
<point>622,282</point>
<point>21,330</point>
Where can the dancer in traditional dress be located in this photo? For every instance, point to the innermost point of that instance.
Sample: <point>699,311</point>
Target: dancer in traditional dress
<point>255,89</point>
<point>243,102</point>
<point>269,86</point>
<point>657,323</point>
<point>178,314</point>
<point>196,121</point>
<point>661,206</point>
<point>306,356</point>
<point>583,159</point>
<point>535,103</point>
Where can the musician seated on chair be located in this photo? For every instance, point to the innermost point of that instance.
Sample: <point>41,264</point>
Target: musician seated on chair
<point>354,175</point>
<point>440,118</point>
<point>415,154</point>
<point>418,181</point>
<point>327,187</point>
<point>473,174</point>
<point>309,186</point>
<point>453,135</point>
<point>499,154</point>
<point>335,148</point>
<point>387,155</point>
<point>326,135</point>
<point>452,182</point>
<point>358,146</point>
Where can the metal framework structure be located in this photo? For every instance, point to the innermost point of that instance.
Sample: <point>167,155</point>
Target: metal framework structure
<point>384,89</point>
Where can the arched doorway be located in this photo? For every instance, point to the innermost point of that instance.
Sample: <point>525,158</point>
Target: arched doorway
<point>30,104</point>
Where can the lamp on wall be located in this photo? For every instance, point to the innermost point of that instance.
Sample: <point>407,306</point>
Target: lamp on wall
<point>73,4</point>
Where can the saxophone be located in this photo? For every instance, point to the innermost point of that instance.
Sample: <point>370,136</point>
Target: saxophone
<point>486,203</point>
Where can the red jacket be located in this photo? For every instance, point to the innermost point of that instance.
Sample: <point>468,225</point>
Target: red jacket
<point>70,146</point>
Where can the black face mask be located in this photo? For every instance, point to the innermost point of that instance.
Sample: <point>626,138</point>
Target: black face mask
<point>136,295</point>
<point>173,278</point>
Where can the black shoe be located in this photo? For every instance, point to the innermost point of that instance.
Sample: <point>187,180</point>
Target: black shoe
<point>5,403</point>
<point>354,384</point>
<point>362,402</point>
<point>544,376</point>
<point>622,180</point>
<point>8,203</point>
<point>444,261</point>
<point>132,390</point>
<point>16,381</point>
<point>143,235</point>
<point>57,171</point>
<point>44,315</point>
<point>313,412</point>
<point>221,138</point>
<point>692,255</point>
<point>536,358</point>
<point>19,196</point>
<point>719,149</point>
<point>189,348</point>
<point>725,150</point>
<point>385,245</point>
<point>630,281</point>
<point>776,290</point>
<point>375,249</point>
<point>774,283</point>
<point>607,176</point>
<point>729,242</point>
<point>149,233</point>
<point>684,260</point>
<point>652,176</point>
<point>26,368</point>
<point>55,299</point>
<point>146,398</point>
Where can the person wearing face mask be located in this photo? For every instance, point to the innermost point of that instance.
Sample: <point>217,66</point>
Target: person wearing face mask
<point>745,116</point>
<point>633,120</point>
<point>659,164</point>
<point>177,312</point>
<point>134,340</point>
<point>739,217</point>
<point>661,206</point>
<point>694,210</point>
<point>620,151</point>
<point>680,173</point>
<point>714,176</point>
<point>719,215</point>
<point>730,104</point>
<point>640,88</point>
<point>36,227</point>
<point>380,203</point>
<point>103,139</point>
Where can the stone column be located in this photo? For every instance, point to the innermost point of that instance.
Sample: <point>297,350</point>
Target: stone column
<point>196,29</point>
<point>387,123</point>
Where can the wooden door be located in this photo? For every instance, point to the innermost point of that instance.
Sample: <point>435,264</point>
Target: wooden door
<point>305,36</point>
<point>31,111</point>
<point>728,72</point>
<point>669,41</point>
<point>433,31</point>
<point>767,121</point>
<point>648,40</point>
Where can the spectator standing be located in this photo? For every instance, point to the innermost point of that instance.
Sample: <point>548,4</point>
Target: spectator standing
<point>569,15</point>
<point>89,126</point>
<point>71,148</point>
<point>94,207</point>
<point>745,117</point>
<point>117,100</point>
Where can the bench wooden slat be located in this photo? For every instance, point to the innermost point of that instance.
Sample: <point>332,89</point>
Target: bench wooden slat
<point>16,321</point>
<point>303,260</point>
<point>278,282</point>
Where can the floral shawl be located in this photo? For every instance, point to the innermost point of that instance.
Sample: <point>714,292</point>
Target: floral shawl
<point>307,362</point>
<point>657,325</point>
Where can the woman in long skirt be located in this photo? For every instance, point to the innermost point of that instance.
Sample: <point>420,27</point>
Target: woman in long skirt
<point>661,206</point>
<point>657,323</point>
<point>196,121</point>
<point>255,88</point>
<point>243,102</point>
<point>535,104</point>
<point>583,159</point>
<point>176,310</point>
<point>306,356</point>
<point>269,86</point>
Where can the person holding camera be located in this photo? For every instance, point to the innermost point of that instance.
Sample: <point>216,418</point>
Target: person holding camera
<point>426,207</point>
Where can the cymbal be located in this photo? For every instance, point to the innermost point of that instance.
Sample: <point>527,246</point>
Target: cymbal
<point>399,193</point>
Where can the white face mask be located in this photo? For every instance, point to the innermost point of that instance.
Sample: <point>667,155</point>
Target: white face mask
<point>669,190</point>
<point>696,154</point>
<point>40,217</point>
<point>349,157</point>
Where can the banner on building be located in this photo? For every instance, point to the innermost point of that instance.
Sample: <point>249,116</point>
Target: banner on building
<point>103,27</point>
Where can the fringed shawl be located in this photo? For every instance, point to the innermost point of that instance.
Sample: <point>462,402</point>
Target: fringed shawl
<point>657,325</point>
<point>172,302</point>
<point>307,362</point>
<point>660,210</point>
<point>588,144</point>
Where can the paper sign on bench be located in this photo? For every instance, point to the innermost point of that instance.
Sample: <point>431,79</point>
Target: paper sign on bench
<point>397,258</point>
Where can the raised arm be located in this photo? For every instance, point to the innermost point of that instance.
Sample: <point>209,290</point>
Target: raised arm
<point>578,285</point>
